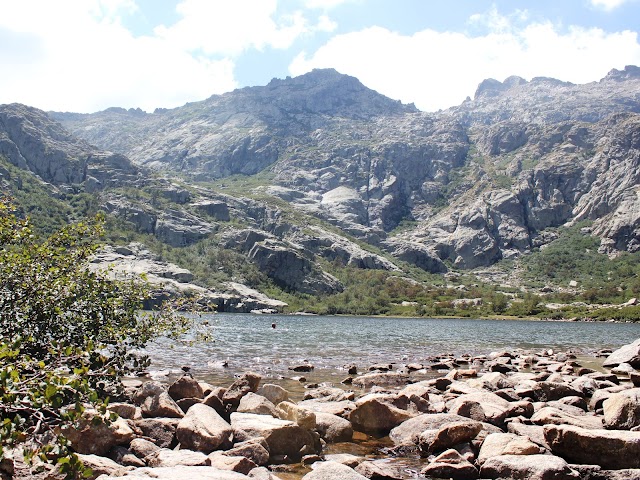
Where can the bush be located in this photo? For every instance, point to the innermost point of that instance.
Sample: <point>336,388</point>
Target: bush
<point>66,335</point>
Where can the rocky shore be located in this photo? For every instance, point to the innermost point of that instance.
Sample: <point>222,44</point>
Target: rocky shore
<point>506,415</point>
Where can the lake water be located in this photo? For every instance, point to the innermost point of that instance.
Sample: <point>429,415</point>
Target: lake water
<point>248,342</point>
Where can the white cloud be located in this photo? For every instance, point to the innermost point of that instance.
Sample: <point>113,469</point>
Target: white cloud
<point>77,56</point>
<point>608,4</point>
<point>229,28</point>
<point>324,4</point>
<point>439,69</point>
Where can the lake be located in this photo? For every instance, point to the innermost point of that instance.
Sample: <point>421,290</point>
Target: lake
<point>248,342</point>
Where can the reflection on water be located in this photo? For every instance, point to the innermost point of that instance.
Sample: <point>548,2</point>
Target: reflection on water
<point>248,342</point>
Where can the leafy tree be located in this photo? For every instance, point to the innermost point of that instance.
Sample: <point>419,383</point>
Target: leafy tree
<point>67,334</point>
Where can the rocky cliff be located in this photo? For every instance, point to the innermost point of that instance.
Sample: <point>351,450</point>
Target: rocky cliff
<point>477,183</point>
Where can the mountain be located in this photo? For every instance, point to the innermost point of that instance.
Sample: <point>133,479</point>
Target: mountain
<point>280,184</point>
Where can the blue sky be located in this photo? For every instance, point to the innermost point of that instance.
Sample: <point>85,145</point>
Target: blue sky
<point>87,55</point>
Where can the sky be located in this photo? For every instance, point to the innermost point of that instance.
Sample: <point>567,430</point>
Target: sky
<point>89,55</point>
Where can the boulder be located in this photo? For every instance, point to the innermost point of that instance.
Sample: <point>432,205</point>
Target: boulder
<point>528,467</point>
<point>124,456</point>
<point>493,408</point>
<point>535,433</point>
<point>274,393</point>
<point>378,413</point>
<point>329,394</point>
<point>141,448</point>
<point>622,410</point>
<point>203,430</point>
<point>548,391</point>
<point>333,428</point>
<point>173,458</point>
<point>282,436</point>
<point>555,416</point>
<point>332,471</point>
<point>255,450</point>
<point>185,387</point>
<point>102,466</point>
<point>302,416</point>
<point>378,471</point>
<point>254,403</point>
<point>384,379</point>
<point>450,464</point>
<point>447,436</point>
<point>408,432</point>
<point>248,382</point>
<point>497,444</point>
<point>341,408</point>
<point>626,354</point>
<point>179,472</point>
<point>238,464</point>
<point>162,431</point>
<point>94,434</point>
<point>612,449</point>
<point>156,402</point>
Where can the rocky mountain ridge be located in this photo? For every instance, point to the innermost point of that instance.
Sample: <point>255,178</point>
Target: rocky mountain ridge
<point>319,168</point>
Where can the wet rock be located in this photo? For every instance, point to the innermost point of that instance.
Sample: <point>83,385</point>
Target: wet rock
<point>185,387</point>
<point>248,382</point>
<point>156,402</point>
<point>283,437</point>
<point>627,354</point>
<point>333,428</point>
<point>497,444</point>
<point>203,430</point>
<point>447,436</point>
<point>528,467</point>
<point>450,464</point>
<point>93,434</point>
<point>332,471</point>
<point>254,403</point>
<point>622,410</point>
<point>612,449</point>
<point>274,393</point>
<point>302,416</point>
<point>262,473</point>
<point>304,367</point>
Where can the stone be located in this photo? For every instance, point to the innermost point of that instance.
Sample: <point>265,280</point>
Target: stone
<point>341,408</point>
<point>180,472</point>
<point>156,402</point>
<point>162,431</point>
<point>255,450</point>
<point>535,433</point>
<point>185,387</point>
<point>274,393</point>
<point>383,379</point>
<point>124,456</point>
<point>248,382</point>
<point>377,413</point>
<point>497,444</point>
<point>346,459</point>
<point>173,458</point>
<point>378,471</point>
<point>447,436</point>
<point>612,449</point>
<point>626,354</point>
<point>203,430</point>
<point>554,416</point>
<point>528,467</point>
<point>125,410</point>
<point>94,434</point>
<point>254,403</point>
<point>332,471</point>
<point>238,464</point>
<point>622,410</point>
<point>282,436</point>
<point>302,416</point>
<point>262,473</point>
<point>450,464</point>
<point>100,465</point>
<point>493,408</point>
<point>329,394</point>
<point>548,391</point>
<point>408,432</point>
<point>333,428</point>
<point>141,448</point>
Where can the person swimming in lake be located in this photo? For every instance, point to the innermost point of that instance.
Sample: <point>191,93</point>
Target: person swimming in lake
<point>273,325</point>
